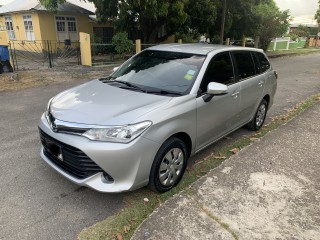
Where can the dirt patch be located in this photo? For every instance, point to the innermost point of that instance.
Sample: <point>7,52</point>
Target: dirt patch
<point>35,78</point>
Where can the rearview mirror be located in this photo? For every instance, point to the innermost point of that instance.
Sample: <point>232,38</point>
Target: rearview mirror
<point>215,88</point>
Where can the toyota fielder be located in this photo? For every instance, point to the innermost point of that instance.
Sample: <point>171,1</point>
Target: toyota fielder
<point>140,125</point>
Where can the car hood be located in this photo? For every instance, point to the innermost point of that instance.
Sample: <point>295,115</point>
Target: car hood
<point>99,103</point>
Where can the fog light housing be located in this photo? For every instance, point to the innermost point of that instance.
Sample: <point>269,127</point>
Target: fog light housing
<point>107,178</point>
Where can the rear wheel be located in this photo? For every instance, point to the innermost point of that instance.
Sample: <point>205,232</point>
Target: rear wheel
<point>168,166</point>
<point>259,117</point>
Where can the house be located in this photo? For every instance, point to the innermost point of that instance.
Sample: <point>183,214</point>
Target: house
<point>30,21</point>
<point>312,27</point>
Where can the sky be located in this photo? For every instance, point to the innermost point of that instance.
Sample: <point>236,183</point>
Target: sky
<point>302,11</point>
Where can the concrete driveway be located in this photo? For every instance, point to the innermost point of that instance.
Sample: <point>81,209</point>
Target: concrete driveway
<point>38,203</point>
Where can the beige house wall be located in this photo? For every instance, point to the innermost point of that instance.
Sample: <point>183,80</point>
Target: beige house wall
<point>18,25</point>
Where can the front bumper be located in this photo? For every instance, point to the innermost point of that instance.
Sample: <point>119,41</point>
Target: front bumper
<point>128,164</point>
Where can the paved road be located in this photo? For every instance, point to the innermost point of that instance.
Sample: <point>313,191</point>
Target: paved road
<point>37,203</point>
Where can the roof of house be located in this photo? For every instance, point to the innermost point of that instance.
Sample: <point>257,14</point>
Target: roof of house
<point>310,25</point>
<point>34,5</point>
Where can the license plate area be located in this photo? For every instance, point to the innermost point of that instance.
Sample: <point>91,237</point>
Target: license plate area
<point>54,149</point>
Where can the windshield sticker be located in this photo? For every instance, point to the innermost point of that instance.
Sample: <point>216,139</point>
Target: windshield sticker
<point>189,75</point>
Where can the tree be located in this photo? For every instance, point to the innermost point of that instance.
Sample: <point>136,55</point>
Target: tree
<point>271,22</point>
<point>151,16</point>
<point>201,23</point>
<point>51,5</point>
<point>301,31</point>
<point>317,15</point>
<point>147,16</point>
<point>243,17</point>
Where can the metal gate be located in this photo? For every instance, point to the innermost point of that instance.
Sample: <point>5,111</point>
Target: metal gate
<point>28,55</point>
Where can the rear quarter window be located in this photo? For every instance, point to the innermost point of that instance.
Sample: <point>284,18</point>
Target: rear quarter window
<point>264,63</point>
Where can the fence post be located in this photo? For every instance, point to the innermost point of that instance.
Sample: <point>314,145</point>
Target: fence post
<point>243,41</point>
<point>138,45</point>
<point>85,49</point>
<point>257,41</point>
<point>180,41</point>
<point>228,41</point>
<point>288,43</point>
<point>49,54</point>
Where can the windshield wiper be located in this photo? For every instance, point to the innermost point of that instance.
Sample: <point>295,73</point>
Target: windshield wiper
<point>129,85</point>
<point>164,92</point>
<point>135,87</point>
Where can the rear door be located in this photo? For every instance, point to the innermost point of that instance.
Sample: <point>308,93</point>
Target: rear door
<point>251,83</point>
<point>218,116</point>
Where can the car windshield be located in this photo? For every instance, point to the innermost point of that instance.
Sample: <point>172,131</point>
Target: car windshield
<point>161,72</point>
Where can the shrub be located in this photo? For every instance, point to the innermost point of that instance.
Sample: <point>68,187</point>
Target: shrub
<point>122,44</point>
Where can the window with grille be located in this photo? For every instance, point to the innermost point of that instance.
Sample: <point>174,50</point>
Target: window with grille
<point>66,28</point>
<point>9,27</point>
<point>28,27</point>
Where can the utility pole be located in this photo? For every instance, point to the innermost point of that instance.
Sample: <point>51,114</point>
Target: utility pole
<point>223,20</point>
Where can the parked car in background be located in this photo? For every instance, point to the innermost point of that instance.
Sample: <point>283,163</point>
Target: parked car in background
<point>140,125</point>
<point>249,42</point>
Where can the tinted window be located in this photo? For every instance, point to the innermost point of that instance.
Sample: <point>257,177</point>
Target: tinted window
<point>219,70</point>
<point>264,63</point>
<point>245,64</point>
<point>256,63</point>
<point>161,70</point>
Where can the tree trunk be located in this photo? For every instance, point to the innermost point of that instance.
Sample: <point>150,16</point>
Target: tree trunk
<point>223,20</point>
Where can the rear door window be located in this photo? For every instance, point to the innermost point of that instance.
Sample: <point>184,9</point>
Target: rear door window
<point>245,64</point>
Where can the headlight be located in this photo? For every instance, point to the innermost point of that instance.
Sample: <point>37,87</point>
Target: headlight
<point>48,105</point>
<point>119,134</point>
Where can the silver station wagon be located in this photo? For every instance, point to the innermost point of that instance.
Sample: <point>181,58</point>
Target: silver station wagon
<point>140,125</point>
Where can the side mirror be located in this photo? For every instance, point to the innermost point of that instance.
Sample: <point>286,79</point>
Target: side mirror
<point>115,69</point>
<point>215,88</point>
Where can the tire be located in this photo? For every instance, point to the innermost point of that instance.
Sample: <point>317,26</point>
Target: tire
<point>168,166</point>
<point>259,117</point>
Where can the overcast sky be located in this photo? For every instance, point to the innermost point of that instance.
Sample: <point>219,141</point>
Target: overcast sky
<point>302,10</point>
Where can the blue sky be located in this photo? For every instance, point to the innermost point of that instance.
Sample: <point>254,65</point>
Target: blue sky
<point>302,10</point>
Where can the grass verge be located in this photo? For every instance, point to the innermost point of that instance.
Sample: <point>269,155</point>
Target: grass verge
<point>293,52</point>
<point>123,224</point>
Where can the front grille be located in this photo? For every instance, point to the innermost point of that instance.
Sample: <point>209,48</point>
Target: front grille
<point>75,162</point>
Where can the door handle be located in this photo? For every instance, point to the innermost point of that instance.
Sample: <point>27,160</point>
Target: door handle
<point>260,83</point>
<point>235,94</point>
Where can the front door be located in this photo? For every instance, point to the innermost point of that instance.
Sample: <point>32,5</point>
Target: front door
<point>218,116</point>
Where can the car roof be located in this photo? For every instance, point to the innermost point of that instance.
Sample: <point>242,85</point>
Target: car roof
<point>198,48</point>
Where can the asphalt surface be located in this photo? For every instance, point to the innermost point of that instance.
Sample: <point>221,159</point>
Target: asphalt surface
<point>38,203</point>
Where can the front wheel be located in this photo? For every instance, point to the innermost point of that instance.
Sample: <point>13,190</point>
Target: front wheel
<point>259,117</point>
<point>168,166</point>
